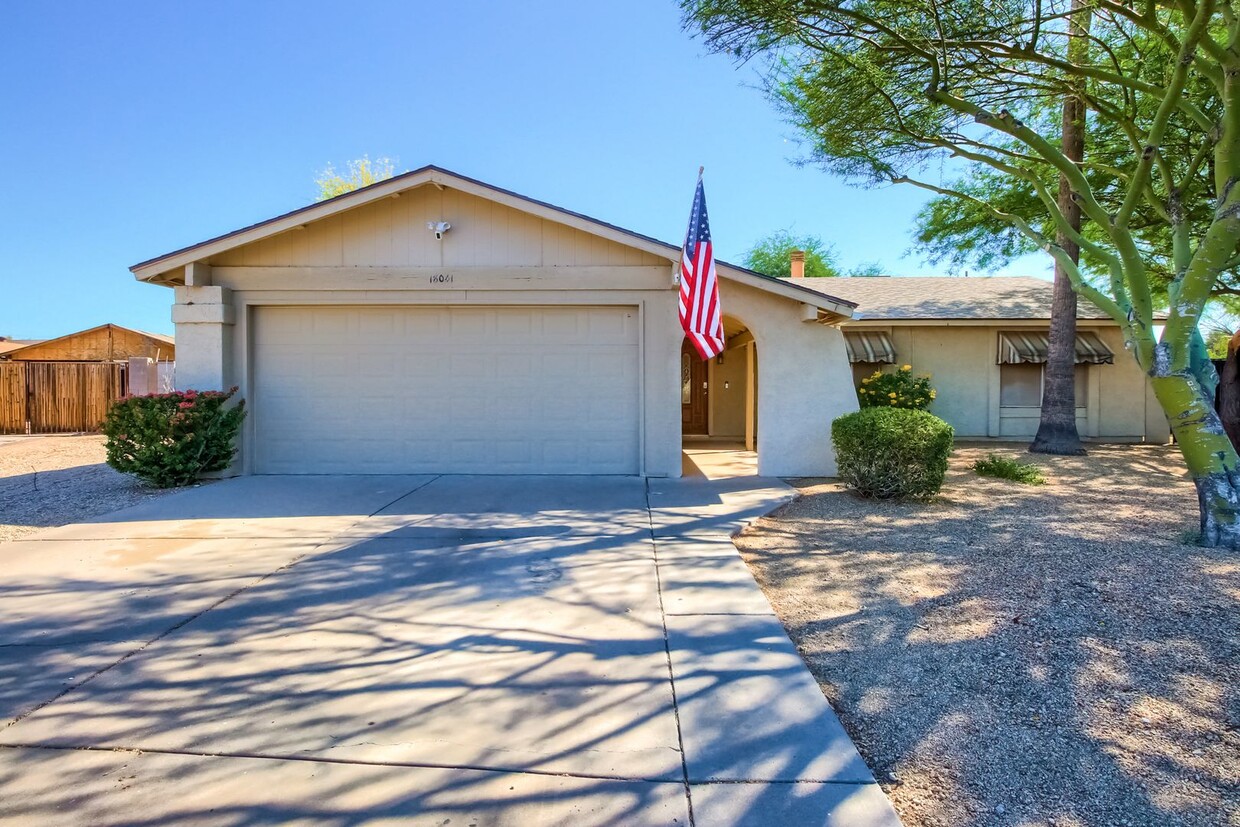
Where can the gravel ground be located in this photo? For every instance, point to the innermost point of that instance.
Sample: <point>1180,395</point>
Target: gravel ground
<point>1015,655</point>
<point>54,480</point>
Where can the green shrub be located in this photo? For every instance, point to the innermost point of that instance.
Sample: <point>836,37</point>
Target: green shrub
<point>170,439</point>
<point>896,390</point>
<point>892,452</point>
<point>997,465</point>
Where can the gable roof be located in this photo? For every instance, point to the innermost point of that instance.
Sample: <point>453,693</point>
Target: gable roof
<point>944,298</point>
<point>152,269</point>
<point>33,343</point>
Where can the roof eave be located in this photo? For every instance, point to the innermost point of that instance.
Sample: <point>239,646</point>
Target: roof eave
<point>151,269</point>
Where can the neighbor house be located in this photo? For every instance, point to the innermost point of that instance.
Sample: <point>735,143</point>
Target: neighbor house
<point>984,341</point>
<point>66,384</point>
<point>103,343</point>
<point>432,323</point>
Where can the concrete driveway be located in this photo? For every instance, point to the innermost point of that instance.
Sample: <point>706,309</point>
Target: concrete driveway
<point>431,650</point>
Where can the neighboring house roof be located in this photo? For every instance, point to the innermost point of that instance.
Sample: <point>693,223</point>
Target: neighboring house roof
<point>16,352</point>
<point>9,345</point>
<point>933,297</point>
<point>159,337</point>
<point>153,269</point>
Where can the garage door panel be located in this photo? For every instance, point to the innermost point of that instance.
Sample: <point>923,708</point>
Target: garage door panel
<point>446,390</point>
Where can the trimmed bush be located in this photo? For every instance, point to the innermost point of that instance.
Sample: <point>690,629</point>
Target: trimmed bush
<point>896,390</point>
<point>892,453</point>
<point>170,439</point>
<point>1006,468</point>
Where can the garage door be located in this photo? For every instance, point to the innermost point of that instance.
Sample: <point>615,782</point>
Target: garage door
<point>503,390</point>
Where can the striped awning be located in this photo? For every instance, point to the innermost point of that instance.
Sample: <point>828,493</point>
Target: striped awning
<point>1030,348</point>
<point>870,347</point>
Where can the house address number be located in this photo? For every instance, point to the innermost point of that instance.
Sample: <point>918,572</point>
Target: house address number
<point>441,278</point>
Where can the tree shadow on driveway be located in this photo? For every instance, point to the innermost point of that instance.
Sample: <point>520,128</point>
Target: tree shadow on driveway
<point>405,660</point>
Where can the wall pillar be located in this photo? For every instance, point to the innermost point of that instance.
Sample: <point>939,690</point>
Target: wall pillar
<point>804,382</point>
<point>204,318</point>
<point>751,397</point>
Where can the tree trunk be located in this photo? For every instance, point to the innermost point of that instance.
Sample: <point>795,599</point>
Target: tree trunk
<point>1208,453</point>
<point>1057,432</point>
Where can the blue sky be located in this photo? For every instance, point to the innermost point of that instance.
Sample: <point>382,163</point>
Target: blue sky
<point>132,129</point>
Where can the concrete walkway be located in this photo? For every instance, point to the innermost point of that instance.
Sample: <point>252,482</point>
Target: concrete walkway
<point>433,650</point>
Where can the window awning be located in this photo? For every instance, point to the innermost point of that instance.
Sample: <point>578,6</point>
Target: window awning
<point>872,347</point>
<point>1031,349</point>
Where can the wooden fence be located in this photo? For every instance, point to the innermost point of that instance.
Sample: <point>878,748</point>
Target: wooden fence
<point>57,397</point>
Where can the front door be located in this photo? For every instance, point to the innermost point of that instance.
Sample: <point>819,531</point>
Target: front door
<point>692,391</point>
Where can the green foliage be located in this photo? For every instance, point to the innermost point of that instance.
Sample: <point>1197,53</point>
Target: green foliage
<point>967,234</point>
<point>771,256</point>
<point>997,465</point>
<point>892,452</point>
<point>170,439</point>
<point>896,390</point>
<point>939,95</point>
<point>867,269</point>
<point>361,173</point>
<point>1216,343</point>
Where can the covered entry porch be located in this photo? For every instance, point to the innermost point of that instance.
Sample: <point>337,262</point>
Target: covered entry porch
<point>719,396</point>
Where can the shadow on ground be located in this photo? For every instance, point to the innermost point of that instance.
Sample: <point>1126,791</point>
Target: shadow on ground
<point>1021,655</point>
<point>370,653</point>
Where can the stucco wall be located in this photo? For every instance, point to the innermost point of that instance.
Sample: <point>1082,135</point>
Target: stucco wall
<point>962,361</point>
<point>728,386</point>
<point>797,397</point>
<point>1128,403</point>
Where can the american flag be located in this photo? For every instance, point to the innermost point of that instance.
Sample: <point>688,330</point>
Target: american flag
<point>700,314</point>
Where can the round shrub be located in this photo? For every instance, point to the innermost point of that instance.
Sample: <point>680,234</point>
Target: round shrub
<point>170,439</point>
<point>896,390</point>
<point>892,452</point>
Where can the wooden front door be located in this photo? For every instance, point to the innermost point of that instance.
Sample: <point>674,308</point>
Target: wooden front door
<point>693,391</point>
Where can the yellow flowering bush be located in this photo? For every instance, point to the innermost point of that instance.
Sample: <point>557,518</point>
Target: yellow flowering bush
<point>896,390</point>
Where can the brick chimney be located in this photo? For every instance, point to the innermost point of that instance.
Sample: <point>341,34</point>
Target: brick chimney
<point>798,264</point>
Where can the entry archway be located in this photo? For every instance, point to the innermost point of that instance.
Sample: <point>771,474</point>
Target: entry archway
<point>719,401</point>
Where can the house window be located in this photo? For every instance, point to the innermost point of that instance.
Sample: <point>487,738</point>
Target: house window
<point>1020,386</point>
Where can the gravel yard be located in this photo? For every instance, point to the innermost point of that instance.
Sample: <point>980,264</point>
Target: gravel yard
<point>1015,655</point>
<point>54,480</point>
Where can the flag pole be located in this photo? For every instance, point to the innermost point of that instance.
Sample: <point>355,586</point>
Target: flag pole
<point>690,224</point>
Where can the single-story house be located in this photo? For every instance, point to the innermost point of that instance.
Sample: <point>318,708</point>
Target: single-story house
<point>66,384</point>
<point>984,341</point>
<point>432,323</point>
<point>104,343</point>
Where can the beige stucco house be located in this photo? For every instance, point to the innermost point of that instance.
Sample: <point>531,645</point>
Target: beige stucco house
<point>984,342</point>
<point>432,323</point>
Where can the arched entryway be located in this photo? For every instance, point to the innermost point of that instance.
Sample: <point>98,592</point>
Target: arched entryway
<point>719,422</point>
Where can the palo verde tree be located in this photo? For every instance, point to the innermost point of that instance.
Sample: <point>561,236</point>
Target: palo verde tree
<point>361,172</point>
<point>899,90</point>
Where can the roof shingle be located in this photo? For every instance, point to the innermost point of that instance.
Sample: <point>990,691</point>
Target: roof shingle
<point>937,297</point>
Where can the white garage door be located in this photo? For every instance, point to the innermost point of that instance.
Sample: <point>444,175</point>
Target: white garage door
<point>398,390</point>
